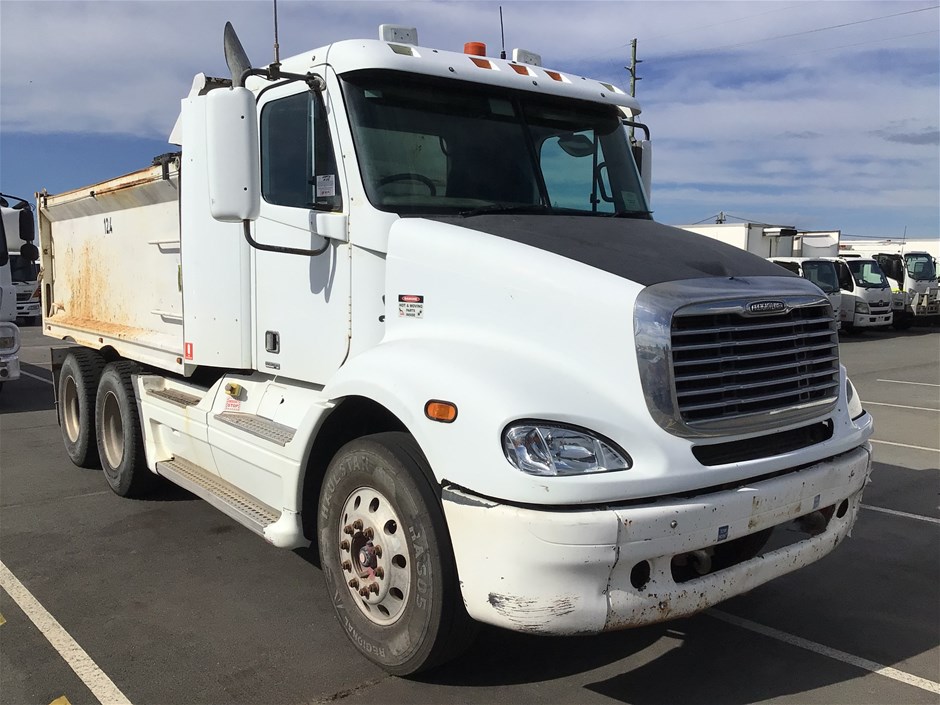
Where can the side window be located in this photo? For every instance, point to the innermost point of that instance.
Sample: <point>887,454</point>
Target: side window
<point>298,167</point>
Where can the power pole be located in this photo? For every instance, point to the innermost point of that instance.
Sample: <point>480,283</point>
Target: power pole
<point>631,69</point>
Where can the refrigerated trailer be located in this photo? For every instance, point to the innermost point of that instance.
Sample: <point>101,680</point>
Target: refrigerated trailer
<point>411,304</point>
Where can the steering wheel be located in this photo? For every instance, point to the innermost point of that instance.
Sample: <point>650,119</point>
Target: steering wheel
<point>405,176</point>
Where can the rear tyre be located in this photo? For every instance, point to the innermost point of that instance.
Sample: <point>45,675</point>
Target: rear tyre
<point>120,441</point>
<point>78,387</point>
<point>387,557</point>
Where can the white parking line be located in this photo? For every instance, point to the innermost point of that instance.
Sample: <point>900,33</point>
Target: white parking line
<point>895,512</point>
<point>886,671</point>
<point>901,381</point>
<point>905,445</point>
<point>98,683</point>
<point>896,406</point>
<point>41,379</point>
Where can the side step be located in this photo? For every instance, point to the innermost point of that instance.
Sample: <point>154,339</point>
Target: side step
<point>220,494</point>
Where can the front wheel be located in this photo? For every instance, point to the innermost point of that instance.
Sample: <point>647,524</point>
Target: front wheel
<point>387,558</point>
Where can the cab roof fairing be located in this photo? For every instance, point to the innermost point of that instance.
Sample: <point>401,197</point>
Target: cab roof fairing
<point>360,54</point>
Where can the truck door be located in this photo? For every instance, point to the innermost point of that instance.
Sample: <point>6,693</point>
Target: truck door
<point>302,321</point>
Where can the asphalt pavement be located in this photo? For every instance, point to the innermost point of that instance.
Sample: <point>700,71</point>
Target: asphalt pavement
<point>169,601</point>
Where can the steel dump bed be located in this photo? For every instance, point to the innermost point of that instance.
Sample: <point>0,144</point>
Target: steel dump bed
<point>111,265</point>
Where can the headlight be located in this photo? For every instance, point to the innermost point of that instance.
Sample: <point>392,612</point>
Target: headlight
<point>9,338</point>
<point>861,307</point>
<point>549,449</point>
<point>855,404</point>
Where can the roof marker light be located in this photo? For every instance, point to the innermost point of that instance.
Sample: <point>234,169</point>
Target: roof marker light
<point>482,63</point>
<point>520,69</point>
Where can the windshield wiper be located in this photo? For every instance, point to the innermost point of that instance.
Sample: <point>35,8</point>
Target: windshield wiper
<point>505,208</point>
<point>628,214</point>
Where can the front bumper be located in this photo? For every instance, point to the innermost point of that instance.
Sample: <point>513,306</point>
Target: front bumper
<point>575,571</point>
<point>28,310</point>
<point>9,368</point>
<point>873,320</point>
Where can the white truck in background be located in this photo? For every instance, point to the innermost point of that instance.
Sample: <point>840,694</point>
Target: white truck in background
<point>912,276</point>
<point>759,239</point>
<point>411,304</point>
<point>23,271</point>
<point>867,300</point>
<point>822,271</point>
<point>17,229</point>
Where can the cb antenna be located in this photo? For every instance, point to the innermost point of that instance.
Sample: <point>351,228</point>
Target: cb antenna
<point>277,48</point>
<point>502,34</point>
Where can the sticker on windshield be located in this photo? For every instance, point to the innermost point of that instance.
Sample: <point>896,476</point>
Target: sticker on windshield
<point>630,201</point>
<point>326,186</point>
<point>410,306</point>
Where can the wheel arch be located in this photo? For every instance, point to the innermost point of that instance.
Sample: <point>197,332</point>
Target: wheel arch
<point>353,417</point>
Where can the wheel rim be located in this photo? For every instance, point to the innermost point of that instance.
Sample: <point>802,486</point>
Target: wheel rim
<point>112,430</point>
<point>70,412</point>
<point>374,556</point>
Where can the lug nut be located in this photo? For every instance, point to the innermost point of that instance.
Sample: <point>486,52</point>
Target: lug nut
<point>378,550</point>
<point>364,592</point>
<point>374,587</point>
<point>369,533</point>
<point>344,544</point>
<point>347,566</point>
<point>347,529</point>
<point>354,584</point>
<point>380,572</point>
<point>357,525</point>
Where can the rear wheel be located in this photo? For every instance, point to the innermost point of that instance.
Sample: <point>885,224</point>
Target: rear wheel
<point>78,387</point>
<point>387,558</point>
<point>120,441</point>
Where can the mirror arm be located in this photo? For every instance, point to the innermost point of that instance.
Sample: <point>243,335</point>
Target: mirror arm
<point>273,73</point>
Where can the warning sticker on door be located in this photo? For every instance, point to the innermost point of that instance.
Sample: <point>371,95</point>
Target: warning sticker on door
<point>410,306</point>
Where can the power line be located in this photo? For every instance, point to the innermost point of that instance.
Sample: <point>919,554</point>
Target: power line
<point>813,31</point>
<point>858,44</point>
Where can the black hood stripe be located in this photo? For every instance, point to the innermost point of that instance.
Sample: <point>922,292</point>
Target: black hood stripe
<point>643,251</point>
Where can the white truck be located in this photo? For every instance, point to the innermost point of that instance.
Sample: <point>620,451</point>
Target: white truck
<point>912,276</point>
<point>822,271</point>
<point>759,239</point>
<point>24,271</point>
<point>867,300</point>
<point>17,232</point>
<point>410,304</point>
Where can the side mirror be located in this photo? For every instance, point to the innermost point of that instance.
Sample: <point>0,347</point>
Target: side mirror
<point>232,155</point>
<point>29,252</point>
<point>645,164</point>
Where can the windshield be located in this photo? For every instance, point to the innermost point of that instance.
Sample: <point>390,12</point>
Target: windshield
<point>867,274</point>
<point>443,147</point>
<point>920,267</point>
<point>22,270</point>
<point>822,274</point>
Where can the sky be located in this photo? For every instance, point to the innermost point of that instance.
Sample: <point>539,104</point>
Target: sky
<point>823,115</point>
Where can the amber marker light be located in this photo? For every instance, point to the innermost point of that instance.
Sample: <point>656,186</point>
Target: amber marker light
<point>443,411</point>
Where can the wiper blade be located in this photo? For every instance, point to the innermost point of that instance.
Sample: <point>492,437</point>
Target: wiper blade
<point>505,208</point>
<point>628,214</point>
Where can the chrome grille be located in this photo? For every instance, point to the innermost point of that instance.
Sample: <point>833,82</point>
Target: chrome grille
<point>727,364</point>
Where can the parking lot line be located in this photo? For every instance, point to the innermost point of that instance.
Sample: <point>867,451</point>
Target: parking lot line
<point>895,512</point>
<point>98,683</point>
<point>898,406</point>
<point>859,662</point>
<point>901,381</point>
<point>41,379</point>
<point>905,445</point>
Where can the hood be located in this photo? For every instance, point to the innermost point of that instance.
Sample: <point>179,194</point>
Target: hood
<point>642,251</point>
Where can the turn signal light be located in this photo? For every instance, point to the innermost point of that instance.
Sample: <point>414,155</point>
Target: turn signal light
<point>443,411</point>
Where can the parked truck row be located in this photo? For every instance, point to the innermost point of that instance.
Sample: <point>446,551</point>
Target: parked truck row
<point>410,304</point>
<point>17,235</point>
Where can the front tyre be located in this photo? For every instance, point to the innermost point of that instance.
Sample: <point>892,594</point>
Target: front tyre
<point>387,558</point>
<point>120,441</point>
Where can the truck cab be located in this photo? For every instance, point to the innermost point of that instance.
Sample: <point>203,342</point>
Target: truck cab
<point>19,229</point>
<point>866,294</point>
<point>913,279</point>
<point>9,333</point>
<point>822,271</point>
